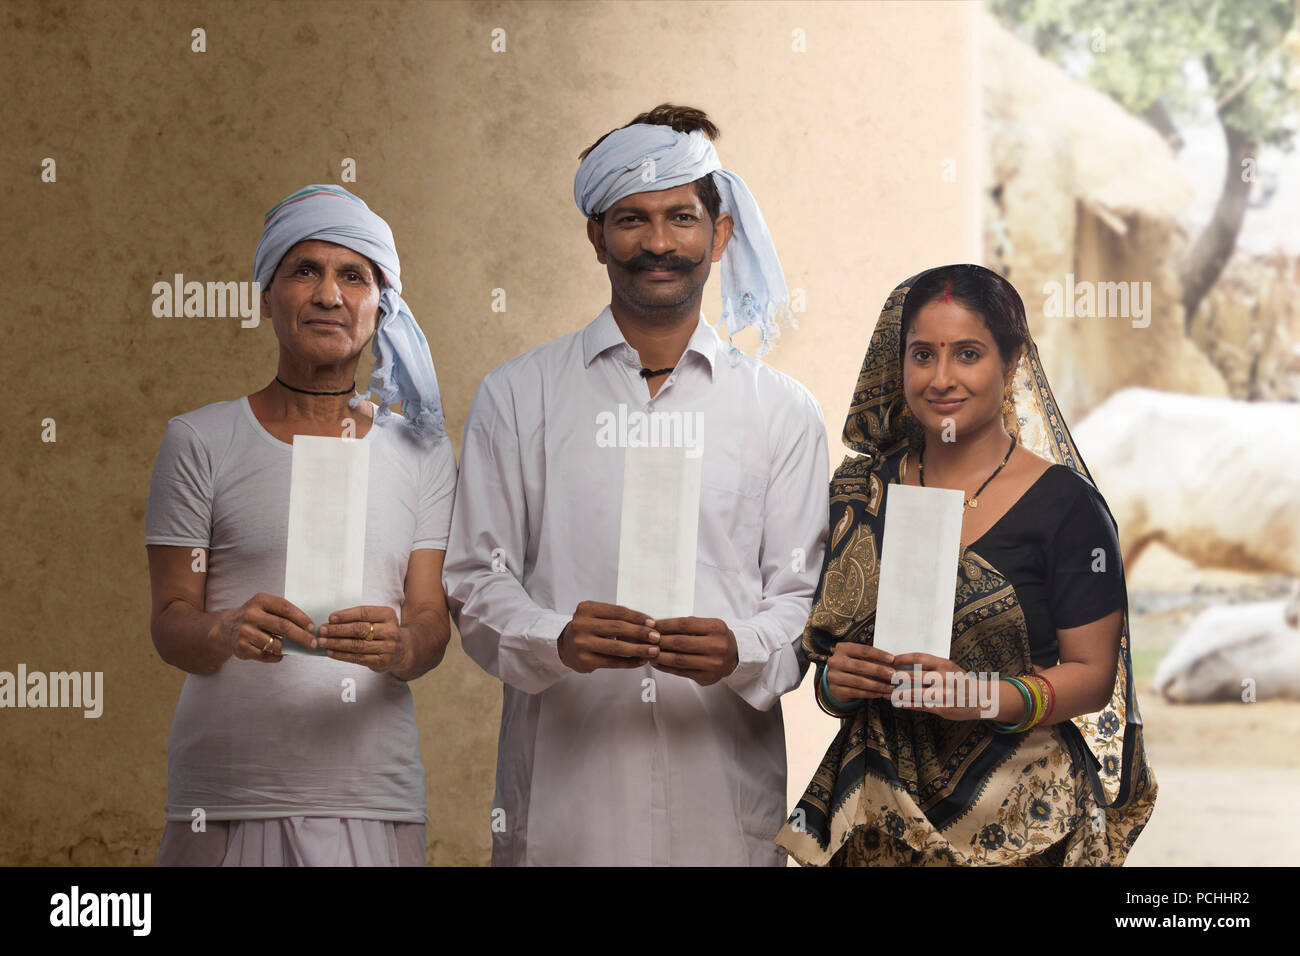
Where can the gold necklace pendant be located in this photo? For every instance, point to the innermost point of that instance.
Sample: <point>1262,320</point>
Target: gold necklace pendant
<point>972,501</point>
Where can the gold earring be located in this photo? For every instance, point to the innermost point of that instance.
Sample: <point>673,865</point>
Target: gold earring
<point>1009,420</point>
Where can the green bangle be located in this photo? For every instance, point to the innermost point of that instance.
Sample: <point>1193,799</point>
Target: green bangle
<point>1030,708</point>
<point>834,703</point>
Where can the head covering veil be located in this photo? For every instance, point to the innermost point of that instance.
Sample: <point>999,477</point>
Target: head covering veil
<point>1107,745</point>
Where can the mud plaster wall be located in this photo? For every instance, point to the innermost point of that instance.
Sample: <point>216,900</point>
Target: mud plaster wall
<point>167,159</point>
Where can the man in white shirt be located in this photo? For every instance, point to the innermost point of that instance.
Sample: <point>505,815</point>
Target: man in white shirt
<point>627,740</point>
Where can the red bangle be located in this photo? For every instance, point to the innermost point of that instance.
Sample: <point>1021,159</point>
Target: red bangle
<point>1051,697</point>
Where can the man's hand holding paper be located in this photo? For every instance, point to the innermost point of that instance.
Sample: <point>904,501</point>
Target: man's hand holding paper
<point>259,627</point>
<point>369,636</point>
<point>700,648</point>
<point>607,635</point>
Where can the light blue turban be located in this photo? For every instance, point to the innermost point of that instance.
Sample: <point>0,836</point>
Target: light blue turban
<point>646,157</point>
<point>403,366</point>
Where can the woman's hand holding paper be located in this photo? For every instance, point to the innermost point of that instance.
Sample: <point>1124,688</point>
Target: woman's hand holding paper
<point>935,685</point>
<point>859,672</point>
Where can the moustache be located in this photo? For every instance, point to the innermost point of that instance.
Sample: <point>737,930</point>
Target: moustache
<point>648,263</point>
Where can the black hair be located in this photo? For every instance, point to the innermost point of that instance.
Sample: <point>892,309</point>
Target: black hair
<point>980,290</point>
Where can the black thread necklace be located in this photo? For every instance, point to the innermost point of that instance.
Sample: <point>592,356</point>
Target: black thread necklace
<point>652,372</point>
<point>303,391</point>
<point>972,501</point>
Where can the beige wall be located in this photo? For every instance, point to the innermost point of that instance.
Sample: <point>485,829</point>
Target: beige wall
<point>167,160</point>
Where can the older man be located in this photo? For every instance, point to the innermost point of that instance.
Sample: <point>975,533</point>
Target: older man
<point>308,759</point>
<point>627,739</point>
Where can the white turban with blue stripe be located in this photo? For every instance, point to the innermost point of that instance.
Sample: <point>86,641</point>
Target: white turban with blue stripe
<point>646,157</point>
<point>403,366</point>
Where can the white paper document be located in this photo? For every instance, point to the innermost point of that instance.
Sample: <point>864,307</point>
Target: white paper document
<point>326,554</point>
<point>659,531</point>
<point>918,570</point>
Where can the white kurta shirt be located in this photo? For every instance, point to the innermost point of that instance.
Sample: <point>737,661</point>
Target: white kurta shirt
<point>635,766</point>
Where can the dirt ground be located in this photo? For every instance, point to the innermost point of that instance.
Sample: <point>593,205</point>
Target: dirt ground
<point>1229,773</point>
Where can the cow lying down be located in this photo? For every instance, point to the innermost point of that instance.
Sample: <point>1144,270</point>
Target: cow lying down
<point>1238,652</point>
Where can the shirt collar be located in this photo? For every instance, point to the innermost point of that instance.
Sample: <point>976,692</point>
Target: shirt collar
<point>603,334</point>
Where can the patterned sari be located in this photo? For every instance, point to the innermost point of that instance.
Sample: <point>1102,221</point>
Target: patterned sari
<point>900,787</point>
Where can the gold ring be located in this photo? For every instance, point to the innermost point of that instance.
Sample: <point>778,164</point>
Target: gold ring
<point>270,641</point>
<point>371,635</point>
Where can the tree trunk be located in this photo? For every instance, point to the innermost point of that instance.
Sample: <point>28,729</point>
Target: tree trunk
<point>1158,116</point>
<point>1204,263</point>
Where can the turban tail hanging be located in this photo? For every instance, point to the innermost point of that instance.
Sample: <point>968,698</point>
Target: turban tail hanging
<point>649,158</point>
<point>403,366</point>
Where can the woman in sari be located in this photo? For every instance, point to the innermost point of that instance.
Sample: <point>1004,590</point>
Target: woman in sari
<point>1053,771</point>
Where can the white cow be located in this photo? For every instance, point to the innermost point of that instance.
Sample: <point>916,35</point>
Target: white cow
<point>1215,480</point>
<point>1235,652</point>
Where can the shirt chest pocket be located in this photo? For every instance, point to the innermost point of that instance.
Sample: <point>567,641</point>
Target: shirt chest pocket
<point>731,519</point>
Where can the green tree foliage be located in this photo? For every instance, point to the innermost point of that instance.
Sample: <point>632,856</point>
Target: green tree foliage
<point>1138,52</point>
<point>1141,52</point>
